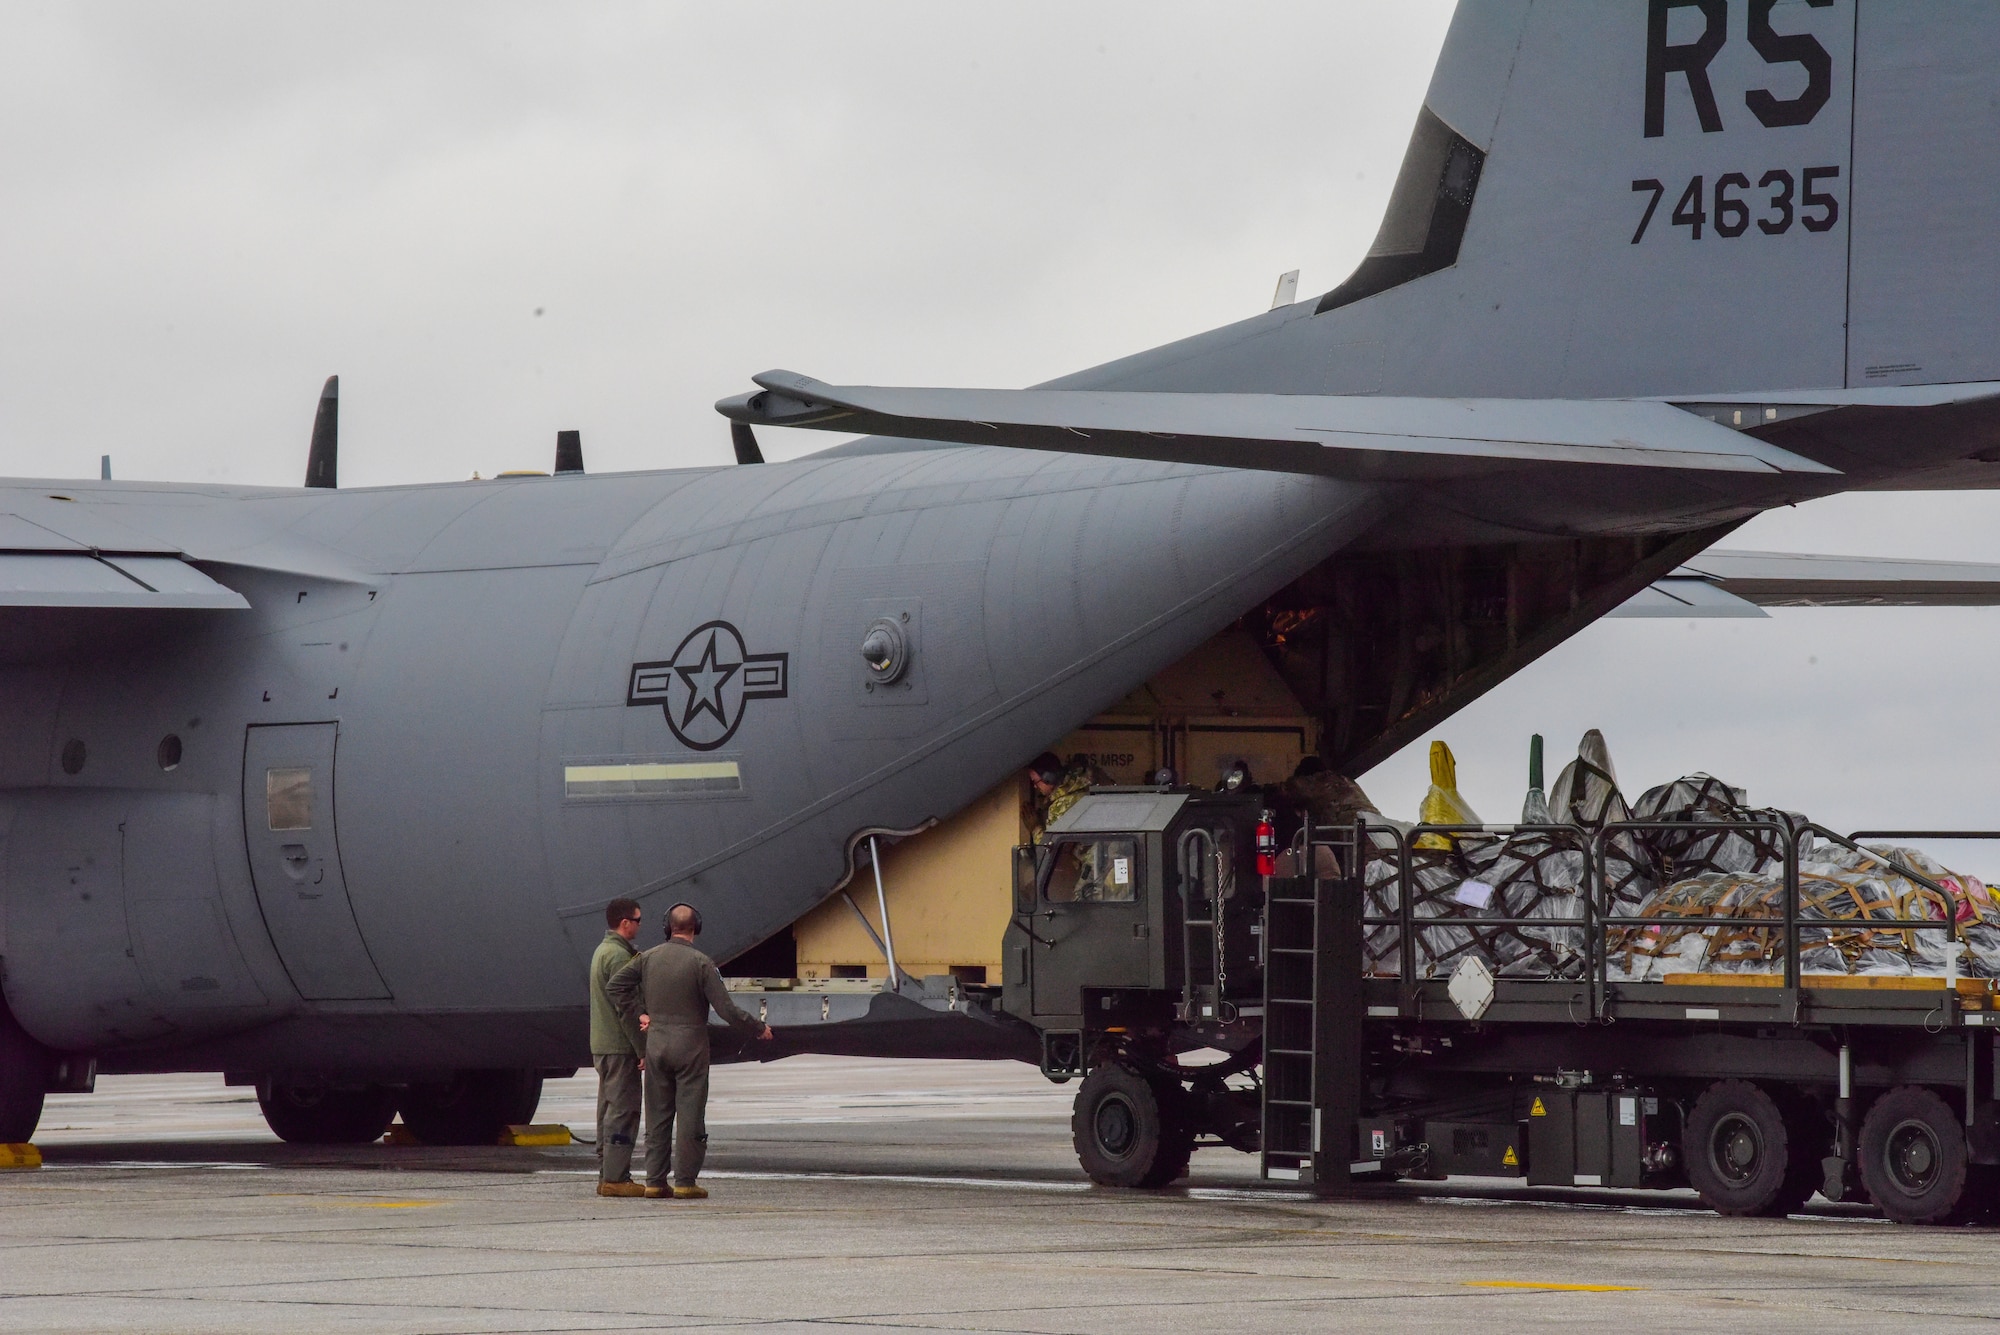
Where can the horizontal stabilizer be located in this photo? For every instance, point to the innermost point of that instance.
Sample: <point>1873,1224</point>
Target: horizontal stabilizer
<point>1738,584</point>
<point>1349,436</point>
<point>1686,598</point>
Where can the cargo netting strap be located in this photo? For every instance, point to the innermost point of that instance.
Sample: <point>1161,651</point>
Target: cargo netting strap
<point>1457,892</point>
<point>1463,896</point>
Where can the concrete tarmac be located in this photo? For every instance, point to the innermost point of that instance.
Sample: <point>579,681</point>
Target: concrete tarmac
<point>883,1196</point>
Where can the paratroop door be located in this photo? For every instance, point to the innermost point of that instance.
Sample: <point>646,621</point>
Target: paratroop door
<point>288,826</point>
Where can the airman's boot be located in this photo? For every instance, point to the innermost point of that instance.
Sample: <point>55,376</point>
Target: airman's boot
<point>690,1193</point>
<point>625,1188</point>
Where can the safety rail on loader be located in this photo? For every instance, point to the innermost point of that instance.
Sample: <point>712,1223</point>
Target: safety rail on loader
<point>1786,993</point>
<point>1367,1018</point>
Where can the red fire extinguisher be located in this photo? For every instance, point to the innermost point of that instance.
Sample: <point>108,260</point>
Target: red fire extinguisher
<point>1267,846</point>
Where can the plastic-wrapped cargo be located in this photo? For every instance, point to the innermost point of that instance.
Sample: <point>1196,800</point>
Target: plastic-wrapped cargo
<point>1858,887</point>
<point>1535,806</point>
<point>1753,945</point>
<point>1381,894</point>
<point>1845,895</point>
<point>1647,954</point>
<point>1534,874</point>
<point>1461,884</point>
<point>1443,898</point>
<point>1443,804</point>
<point>1462,888</point>
<point>1697,799</point>
<point>1444,894</point>
<point>1586,794</point>
<point>1433,872</point>
<point>1461,896</point>
<point>1436,872</point>
<point>1974,909</point>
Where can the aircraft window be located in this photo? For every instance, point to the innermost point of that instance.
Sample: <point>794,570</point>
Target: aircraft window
<point>1095,871</point>
<point>288,798</point>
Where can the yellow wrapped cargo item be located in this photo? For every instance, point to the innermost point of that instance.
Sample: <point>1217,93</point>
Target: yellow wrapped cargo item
<point>1443,803</point>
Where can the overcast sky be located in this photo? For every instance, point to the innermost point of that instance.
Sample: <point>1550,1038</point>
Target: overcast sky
<point>495,221</point>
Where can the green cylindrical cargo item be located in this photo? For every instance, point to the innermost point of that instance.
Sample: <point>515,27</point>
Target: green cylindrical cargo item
<point>1535,761</point>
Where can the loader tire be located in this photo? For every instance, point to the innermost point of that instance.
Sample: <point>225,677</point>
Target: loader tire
<point>1120,1129</point>
<point>1743,1155</point>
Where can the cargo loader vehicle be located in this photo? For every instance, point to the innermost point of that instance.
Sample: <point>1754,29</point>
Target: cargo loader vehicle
<point>1216,969</point>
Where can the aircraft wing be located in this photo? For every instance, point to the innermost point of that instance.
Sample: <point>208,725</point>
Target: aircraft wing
<point>74,580</point>
<point>83,580</point>
<point>1361,437</point>
<point>108,567</point>
<point>1742,584</point>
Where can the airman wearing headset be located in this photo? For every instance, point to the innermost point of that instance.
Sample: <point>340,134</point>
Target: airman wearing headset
<point>669,991</point>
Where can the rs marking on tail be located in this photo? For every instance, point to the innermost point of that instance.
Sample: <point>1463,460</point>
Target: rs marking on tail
<point>1691,59</point>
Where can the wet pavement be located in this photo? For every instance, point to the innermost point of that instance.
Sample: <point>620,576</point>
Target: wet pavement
<point>882,1196</point>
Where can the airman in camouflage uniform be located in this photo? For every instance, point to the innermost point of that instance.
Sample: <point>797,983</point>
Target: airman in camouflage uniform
<point>1058,787</point>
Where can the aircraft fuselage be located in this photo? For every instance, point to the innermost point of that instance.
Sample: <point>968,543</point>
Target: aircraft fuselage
<point>371,822</point>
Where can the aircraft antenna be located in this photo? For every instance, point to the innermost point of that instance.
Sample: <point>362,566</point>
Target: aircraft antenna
<point>1288,289</point>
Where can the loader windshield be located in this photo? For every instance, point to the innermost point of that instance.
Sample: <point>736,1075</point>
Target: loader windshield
<point>1094,871</point>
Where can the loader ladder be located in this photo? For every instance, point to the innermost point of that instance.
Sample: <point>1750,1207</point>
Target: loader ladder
<point>1312,1027</point>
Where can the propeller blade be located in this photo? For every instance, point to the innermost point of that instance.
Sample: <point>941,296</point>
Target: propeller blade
<point>322,460</point>
<point>569,451</point>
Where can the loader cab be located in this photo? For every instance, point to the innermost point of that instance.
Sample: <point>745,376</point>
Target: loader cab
<point>1124,890</point>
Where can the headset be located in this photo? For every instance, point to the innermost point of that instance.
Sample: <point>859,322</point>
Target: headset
<point>691,909</point>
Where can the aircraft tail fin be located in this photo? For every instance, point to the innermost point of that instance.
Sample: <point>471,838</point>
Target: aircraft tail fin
<point>1662,198</point>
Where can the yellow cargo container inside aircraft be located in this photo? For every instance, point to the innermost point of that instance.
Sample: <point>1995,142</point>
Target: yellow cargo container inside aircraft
<point>947,887</point>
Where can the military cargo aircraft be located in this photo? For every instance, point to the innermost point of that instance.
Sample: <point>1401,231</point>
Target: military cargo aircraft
<point>327,788</point>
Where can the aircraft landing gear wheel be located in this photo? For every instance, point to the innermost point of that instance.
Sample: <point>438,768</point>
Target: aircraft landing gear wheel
<point>24,1080</point>
<point>322,1115</point>
<point>472,1107</point>
<point>1118,1128</point>
<point>1913,1156</point>
<point>1740,1153</point>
